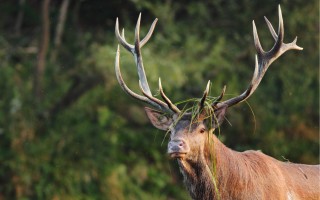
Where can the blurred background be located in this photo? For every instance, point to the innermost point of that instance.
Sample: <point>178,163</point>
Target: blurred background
<point>68,131</point>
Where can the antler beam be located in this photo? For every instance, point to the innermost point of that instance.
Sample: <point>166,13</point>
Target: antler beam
<point>264,59</point>
<point>135,49</point>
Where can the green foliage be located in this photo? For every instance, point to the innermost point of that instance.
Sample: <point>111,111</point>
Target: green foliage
<point>86,139</point>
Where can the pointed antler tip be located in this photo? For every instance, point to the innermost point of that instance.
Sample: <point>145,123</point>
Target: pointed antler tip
<point>122,33</point>
<point>117,23</point>
<point>137,31</point>
<point>255,32</point>
<point>138,21</point>
<point>295,42</point>
<point>256,39</point>
<point>139,18</point>
<point>280,13</point>
<point>155,21</point>
<point>160,84</point>
<point>254,27</point>
<point>207,87</point>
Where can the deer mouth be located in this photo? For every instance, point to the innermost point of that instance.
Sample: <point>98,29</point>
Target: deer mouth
<point>177,155</point>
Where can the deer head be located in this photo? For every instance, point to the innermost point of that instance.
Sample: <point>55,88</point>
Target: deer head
<point>188,133</point>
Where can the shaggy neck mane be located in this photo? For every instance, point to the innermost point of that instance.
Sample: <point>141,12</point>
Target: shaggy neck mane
<point>222,173</point>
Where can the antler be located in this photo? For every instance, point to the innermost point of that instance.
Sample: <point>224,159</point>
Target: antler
<point>135,49</point>
<point>264,59</point>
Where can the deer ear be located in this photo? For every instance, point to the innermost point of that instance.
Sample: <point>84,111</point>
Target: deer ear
<point>158,119</point>
<point>219,116</point>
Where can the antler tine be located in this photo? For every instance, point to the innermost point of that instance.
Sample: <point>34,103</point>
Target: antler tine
<point>167,100</point>
<point>138,59</point>
<point>264,59</point>
<point>120,38</point>
<point>273,33</point>
<point>163,106</point>
<point>143,83</point>
<point>137,31</point>
<point>256,40</point>
<point>281,26</point>
<point>221,96</point>
<point>204,96</point>
<point>122,35</point>
<point>149,34</point>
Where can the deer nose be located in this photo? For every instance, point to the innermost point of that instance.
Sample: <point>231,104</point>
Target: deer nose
<point>177,146</point>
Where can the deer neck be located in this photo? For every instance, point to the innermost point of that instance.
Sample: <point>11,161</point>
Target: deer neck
<point>204,176</point>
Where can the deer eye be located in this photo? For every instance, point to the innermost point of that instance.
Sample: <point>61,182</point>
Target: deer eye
<point>202,130</point>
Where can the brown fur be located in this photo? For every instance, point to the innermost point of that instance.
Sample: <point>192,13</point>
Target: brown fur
<point>247,175</point>
<point>213,171</point>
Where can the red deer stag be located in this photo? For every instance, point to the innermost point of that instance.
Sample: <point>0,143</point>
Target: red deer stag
<point>210,169</point>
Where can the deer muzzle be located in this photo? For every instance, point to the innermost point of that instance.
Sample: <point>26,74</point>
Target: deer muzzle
<point>178,148</point>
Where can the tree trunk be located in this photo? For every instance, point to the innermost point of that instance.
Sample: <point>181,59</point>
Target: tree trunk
<point>60,27</point>
<point>43,48</point>
<point>17,26</point>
